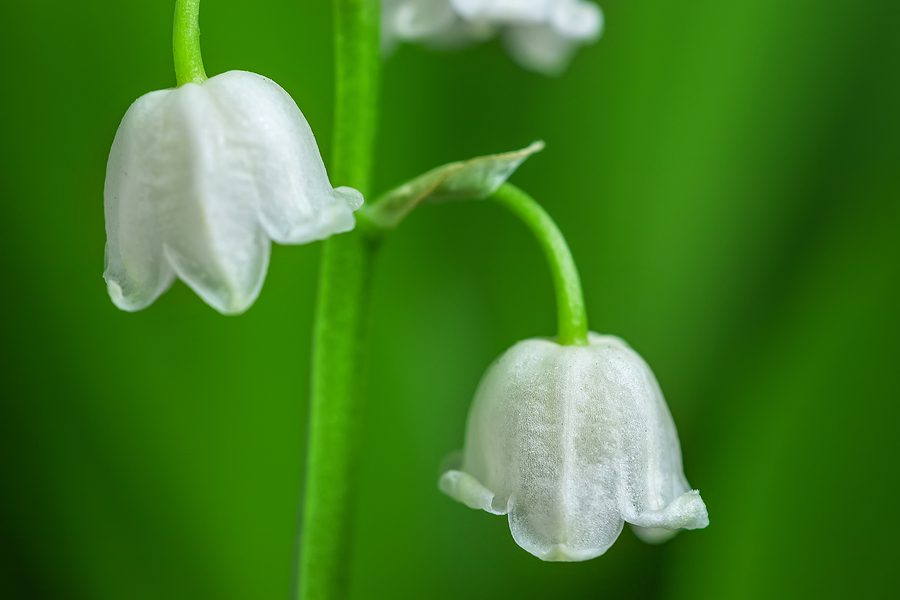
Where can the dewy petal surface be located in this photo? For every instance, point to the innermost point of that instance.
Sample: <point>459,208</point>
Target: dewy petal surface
<point>572,442</point>
<point>202,178</point>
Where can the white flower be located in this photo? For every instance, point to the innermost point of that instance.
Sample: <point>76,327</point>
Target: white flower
<point>201,179</point>
<point>542,35</point>
<point>572,442</point>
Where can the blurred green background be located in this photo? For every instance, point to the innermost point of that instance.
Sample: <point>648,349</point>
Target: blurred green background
<point>727,175</point>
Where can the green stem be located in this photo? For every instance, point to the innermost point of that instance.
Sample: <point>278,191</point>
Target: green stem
<point>357,67</point>
<point>186,43</point>
<point>336,405</point>
<point>573,327</point>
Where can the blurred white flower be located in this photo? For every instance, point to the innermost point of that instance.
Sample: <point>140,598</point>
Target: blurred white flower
<point>542,35</point>
<point>572,442</point>
<point>201,179</point>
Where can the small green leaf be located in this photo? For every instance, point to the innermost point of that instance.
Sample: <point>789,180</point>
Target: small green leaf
<point>472,179</point>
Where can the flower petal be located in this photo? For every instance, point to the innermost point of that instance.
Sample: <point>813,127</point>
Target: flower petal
<point>548,46</point>
<point>212,236</point>
<point>464,488</point>
<point>539,48</point>
<point>532,439</point>
<point>652,487</point>
<point>577,20</point>
<point>277,151</point>
<point>582,535</point>
<point>136,270</point>
<point>653,535</point>
<point>687,511</point>
<point>418,19</point>
<point>504,11</point>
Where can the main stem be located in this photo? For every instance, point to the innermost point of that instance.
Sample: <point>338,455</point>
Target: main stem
<point>336,405</point>
<point>571,314</point>
<point>186,43</point>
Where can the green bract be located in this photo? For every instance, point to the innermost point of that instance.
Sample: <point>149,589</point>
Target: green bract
<point>471,179</point>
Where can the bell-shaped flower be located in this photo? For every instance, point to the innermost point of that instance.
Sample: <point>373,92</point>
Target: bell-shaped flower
<point>542,35</point>
<point>201,179</point>
<point>572,442</point>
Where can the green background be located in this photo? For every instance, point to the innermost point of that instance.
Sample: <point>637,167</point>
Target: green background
<point>727,176</point>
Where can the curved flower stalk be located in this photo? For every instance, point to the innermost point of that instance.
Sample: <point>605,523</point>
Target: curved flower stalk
<point>542,35</point>
<point>202,178</point>
<point>572,442</point>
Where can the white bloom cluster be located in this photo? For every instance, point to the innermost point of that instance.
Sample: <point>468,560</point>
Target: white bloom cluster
<point>542,35</point>
<point>201,179</point>
<point>572,442</point>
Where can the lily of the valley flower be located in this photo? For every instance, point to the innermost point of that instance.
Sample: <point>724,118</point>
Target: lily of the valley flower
<point>201,179</point>
<point>572,442</point>
<point>541,35</point>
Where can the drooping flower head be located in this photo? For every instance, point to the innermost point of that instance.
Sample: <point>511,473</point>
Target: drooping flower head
<point>572,442</point>
<point>542,35</point>
<point>203,177</point>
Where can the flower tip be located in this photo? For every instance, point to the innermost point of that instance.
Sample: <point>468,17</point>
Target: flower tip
<point>234,310</point>
<point>581,21</point>
<point>565,553</point>
<point>116,294</point>
<point>464,488</point>
<point>119,298</point>
<point>692,510</point>
<point>535,147</point>
<point>688,511</point>
<point>351,197</point>
<point>653,535</point>
<point>234,305</point>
